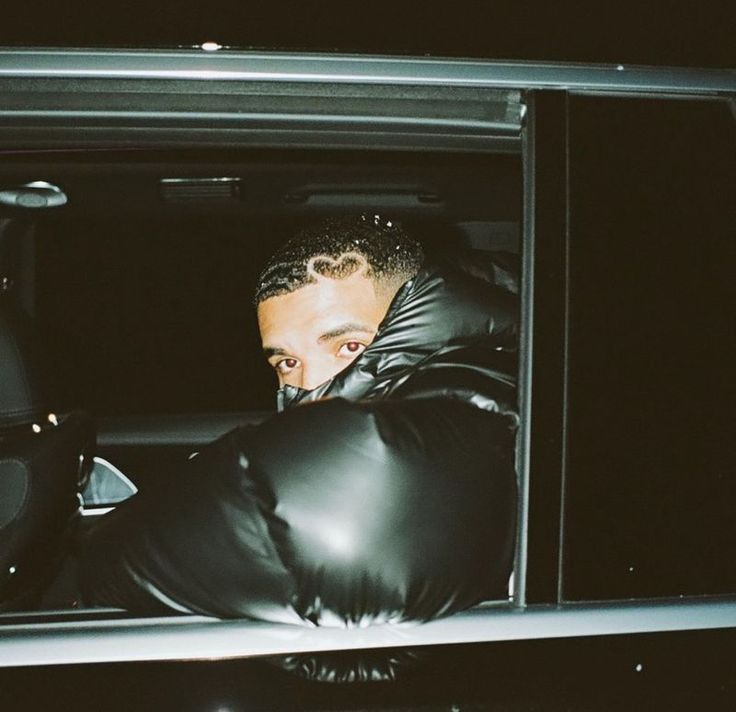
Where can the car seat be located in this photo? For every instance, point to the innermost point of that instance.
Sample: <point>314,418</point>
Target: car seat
<point>44,461</point>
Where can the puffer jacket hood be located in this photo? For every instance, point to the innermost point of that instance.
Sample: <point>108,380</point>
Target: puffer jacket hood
<point>443,319</point>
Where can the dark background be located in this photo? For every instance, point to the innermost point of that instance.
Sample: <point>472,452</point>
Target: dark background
<point>650,491</point>
<point>155,315</point>
<point>698,34</point>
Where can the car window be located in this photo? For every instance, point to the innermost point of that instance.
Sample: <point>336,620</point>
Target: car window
<point>649,490</point>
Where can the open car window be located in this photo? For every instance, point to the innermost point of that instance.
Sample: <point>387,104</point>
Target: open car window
<point>141,283</point>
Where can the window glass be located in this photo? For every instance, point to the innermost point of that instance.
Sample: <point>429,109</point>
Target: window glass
<point>650,486</point>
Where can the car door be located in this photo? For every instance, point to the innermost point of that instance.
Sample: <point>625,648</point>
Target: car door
<point>602,497</point>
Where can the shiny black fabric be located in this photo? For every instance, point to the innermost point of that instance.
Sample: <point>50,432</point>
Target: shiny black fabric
<point>380,665</point>
<point>388,495</point>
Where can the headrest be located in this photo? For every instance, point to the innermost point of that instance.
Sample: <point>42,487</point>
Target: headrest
<point>22,393</point>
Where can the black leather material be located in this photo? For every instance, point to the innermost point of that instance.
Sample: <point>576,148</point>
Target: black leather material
<point>40,476</point>
<point>23,391</point>
<point>390,497</point>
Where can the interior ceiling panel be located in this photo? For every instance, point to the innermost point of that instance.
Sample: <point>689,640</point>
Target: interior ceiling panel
<point>462,186</point>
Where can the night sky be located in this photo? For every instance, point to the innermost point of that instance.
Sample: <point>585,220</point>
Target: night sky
<point>663,33</point>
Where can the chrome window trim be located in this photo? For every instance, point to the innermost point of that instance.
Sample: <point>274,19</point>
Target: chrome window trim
<point>526,346</point>
<point>197,638</point>
<point>338,68</point>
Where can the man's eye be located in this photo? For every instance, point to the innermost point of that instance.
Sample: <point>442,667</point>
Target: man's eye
<point>351,349</point>
<point>286,365</point>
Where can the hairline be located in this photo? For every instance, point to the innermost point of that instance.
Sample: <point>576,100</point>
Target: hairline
<point>383,282</point>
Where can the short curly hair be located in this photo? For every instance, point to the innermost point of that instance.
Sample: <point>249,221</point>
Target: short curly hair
<point>337,248</point>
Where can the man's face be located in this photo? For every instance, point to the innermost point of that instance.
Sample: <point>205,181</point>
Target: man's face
<point>312,334</point>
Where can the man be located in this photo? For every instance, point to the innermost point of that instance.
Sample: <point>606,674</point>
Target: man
<point>391,497</point>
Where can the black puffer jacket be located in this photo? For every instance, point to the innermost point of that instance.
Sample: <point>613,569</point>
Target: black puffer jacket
<point>392,497</point>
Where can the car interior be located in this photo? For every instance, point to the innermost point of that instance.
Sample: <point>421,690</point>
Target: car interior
<point>135,270</point>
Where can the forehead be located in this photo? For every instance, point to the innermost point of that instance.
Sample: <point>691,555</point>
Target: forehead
<point>316,308</point>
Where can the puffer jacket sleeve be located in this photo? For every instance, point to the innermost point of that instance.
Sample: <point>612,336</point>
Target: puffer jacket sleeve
<point>332,513</point>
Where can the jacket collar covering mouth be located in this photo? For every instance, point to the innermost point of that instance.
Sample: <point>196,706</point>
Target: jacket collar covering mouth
<point>442,309</point>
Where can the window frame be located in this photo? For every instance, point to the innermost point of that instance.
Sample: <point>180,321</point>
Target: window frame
<point>535,610</point>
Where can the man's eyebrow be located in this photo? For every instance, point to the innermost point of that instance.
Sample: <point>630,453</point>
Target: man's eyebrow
<point>342,329</point>
<point>269,351</point>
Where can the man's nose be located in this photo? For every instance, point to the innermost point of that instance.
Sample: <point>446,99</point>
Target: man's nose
<point>315,374</point>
